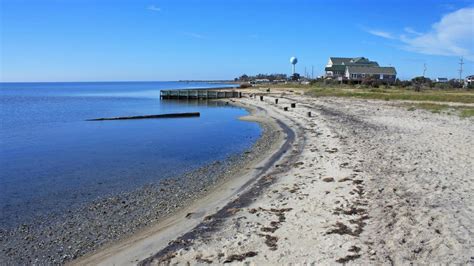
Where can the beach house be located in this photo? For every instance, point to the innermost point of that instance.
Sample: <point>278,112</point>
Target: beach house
<point>469,80</point>
<point>357,69</point>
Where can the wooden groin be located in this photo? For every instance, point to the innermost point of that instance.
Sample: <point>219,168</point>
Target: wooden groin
<point>174,115</point>
<point>199,94</point>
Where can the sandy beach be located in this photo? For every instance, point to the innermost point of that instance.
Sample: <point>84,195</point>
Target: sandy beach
<point>60,238</point>
<point>210,133</point>
<point>357,181</point>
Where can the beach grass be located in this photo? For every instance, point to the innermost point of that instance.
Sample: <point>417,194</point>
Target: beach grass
<point>467,112</point>
<point>435,101</point>
<point>385,93</point>
<point>462,111</point>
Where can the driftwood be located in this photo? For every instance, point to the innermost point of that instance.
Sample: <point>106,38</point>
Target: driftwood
<point>175,115</point>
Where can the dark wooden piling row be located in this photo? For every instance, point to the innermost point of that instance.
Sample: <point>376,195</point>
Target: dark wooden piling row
<point>174,115</point>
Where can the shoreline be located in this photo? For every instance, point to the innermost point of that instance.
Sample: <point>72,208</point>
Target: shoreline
<point>357,181</point>
<point>117,217</point>
<point>144,243</point>
<point>369,183</point>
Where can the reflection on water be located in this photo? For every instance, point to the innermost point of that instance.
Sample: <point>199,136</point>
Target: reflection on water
<point>52,159</point>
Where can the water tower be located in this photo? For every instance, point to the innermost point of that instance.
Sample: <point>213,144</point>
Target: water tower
<point>293,61</point>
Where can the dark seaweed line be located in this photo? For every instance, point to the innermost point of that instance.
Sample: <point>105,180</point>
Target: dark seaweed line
<point>213,222</point>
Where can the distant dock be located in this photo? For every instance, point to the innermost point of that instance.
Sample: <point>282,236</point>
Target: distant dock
<point>200,94</point>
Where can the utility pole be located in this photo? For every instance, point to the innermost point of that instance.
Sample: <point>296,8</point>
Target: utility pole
<point>461,62</point>
<point>312,72</point>
<point>424,69</point>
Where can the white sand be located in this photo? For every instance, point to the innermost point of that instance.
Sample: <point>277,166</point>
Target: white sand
<point>370,182</point>
<point>402,191</point>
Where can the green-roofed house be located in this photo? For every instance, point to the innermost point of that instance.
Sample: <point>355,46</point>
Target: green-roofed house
<point>357,69</point>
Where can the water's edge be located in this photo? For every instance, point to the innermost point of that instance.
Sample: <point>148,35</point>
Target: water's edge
<point>62,238</point>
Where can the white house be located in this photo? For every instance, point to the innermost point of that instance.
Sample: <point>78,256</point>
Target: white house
<point>469,80</point>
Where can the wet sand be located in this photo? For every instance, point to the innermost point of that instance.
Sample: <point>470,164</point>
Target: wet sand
<point>57,239</point>
<point>146,242</point>
<point>358,181</point>
<point>365,182</point>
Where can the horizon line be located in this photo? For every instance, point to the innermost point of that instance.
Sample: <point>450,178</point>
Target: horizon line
<point>104,81</point>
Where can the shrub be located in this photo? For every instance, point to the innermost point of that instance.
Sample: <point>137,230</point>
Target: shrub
<point>455,83</point>
<point>372,82</point>
<point>330,82</point>
<point>421,80</point>
<point>443,86</point>
<point>417,87</point>
<point>405,83</point>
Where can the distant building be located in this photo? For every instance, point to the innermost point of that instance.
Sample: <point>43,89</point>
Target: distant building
<point>358,69</point>
<point>442,80</point>
<point>469,80</point>
<point>259,81</point>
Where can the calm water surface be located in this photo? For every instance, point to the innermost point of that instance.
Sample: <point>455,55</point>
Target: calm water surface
<point>51,159</point>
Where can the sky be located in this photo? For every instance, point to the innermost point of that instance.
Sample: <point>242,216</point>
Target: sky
<point>158,40</point>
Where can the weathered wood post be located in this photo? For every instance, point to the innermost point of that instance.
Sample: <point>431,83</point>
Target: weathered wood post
<point>261,98</point>
<point>285,108</point>
<point>293,105</point>
<point>309,114</point>
<point>240,94</point>
<point>276,101</point>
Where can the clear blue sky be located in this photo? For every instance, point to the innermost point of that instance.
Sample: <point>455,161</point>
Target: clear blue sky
<point>102,40</point>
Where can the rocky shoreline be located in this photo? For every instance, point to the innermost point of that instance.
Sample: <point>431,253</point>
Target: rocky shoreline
<point>57,239</point>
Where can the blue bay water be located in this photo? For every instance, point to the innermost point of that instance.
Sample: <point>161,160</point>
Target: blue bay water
<point>52,159</point>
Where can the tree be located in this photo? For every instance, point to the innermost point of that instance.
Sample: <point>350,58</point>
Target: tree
<point>270,77</point>
<point>295,77</point>
<point>455,83</point>
<point>244,77</point>
<point>421,80</point>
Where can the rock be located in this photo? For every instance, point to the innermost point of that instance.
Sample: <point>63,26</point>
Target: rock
<point>328,179</point>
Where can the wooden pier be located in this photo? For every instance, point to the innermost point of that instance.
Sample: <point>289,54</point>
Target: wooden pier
<point>199,94</point>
